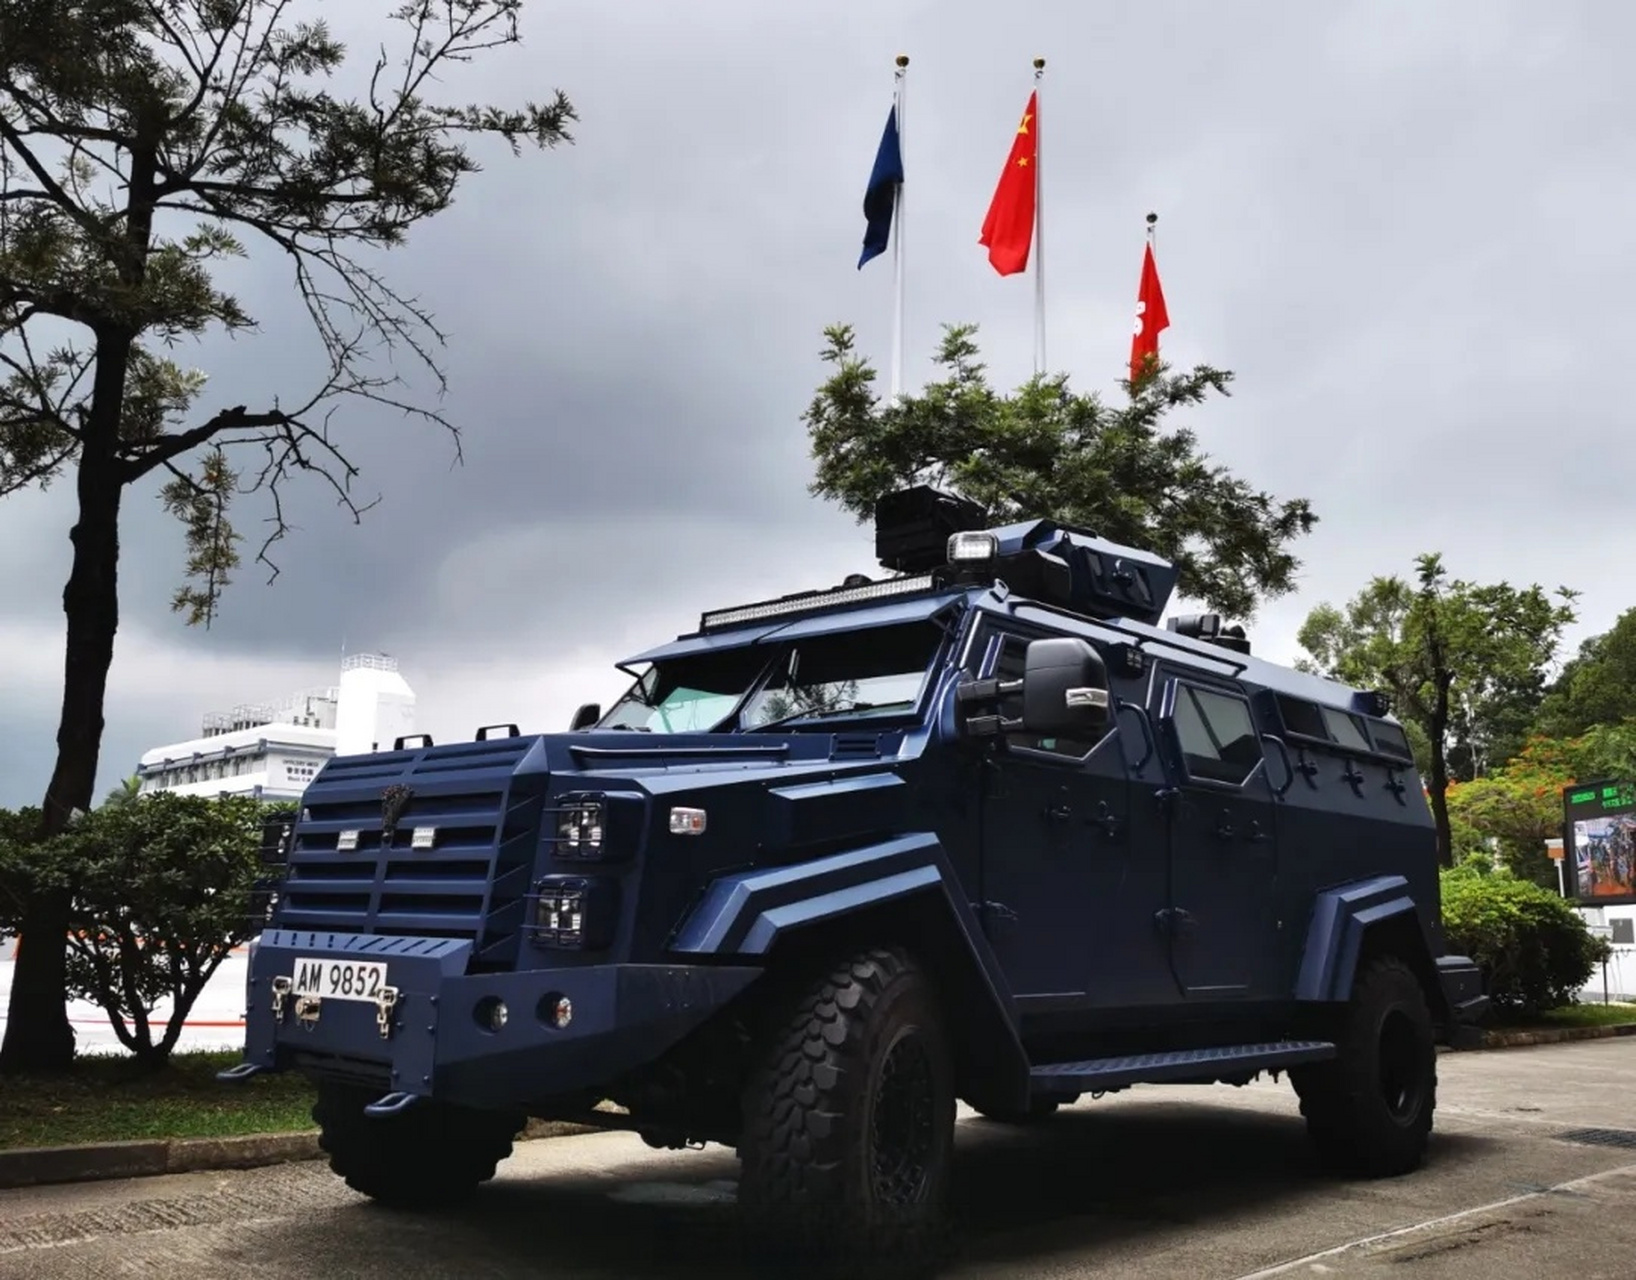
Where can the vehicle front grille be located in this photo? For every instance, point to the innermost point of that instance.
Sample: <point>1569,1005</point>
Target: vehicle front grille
<point>469,884</point>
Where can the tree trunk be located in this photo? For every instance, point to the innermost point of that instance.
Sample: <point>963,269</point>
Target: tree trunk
<point>38,1037</point>
<point>1439,786</point>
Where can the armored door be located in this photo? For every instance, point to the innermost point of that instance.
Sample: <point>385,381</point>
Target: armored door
<point>1219,811</point>
<point>1056,837</point>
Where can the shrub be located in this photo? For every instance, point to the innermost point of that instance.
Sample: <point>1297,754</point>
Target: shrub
<point>163,889</point>
<point>1533,948</point>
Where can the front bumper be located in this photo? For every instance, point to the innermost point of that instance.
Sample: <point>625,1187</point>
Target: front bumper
<point>1462,985</point>
<point>423,1032</point>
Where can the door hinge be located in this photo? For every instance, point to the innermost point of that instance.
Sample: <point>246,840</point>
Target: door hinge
<point>998,919</point>
<point>1174,920</point>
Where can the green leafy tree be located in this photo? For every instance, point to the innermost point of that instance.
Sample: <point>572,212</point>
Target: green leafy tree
<point>1047,451</point>
<point>162,891</point>
<point>1608,751</point>
<point>1457,658</point>
<point>1597,686</point>
<point>144,144</point>
<point>129,789</point>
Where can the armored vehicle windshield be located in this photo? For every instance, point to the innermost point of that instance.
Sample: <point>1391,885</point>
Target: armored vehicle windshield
<point>869,671</point>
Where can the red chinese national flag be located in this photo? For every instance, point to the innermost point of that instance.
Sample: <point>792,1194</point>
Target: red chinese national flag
<point>1008,231</point>
<point>1151,317</point>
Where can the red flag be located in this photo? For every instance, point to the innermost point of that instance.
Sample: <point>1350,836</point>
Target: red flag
<point>1008,231</point>
<point>1151,317</point>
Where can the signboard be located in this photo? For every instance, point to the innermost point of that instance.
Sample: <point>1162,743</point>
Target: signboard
<point>1599,830</point>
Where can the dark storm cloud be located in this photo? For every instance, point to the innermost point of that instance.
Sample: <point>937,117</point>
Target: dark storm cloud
<point>1407,229</point>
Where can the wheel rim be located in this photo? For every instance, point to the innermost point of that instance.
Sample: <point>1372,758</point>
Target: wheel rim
<point>1402,1077</point>
<point>904,1124</point>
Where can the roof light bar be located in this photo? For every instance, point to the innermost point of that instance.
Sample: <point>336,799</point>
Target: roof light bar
<point>887,589</point>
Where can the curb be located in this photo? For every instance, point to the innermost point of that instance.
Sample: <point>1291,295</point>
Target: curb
<point>100,1161</point>
<point>1499,1039</point>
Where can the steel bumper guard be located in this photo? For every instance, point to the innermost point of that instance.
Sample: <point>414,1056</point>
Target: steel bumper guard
<point>430,1029</point>
<point>1462,984</point>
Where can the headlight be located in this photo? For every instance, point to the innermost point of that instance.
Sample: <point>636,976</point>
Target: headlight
<point>580,824</point>
<point>577,913</point>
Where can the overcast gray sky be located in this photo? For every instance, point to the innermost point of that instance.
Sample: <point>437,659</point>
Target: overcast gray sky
<point>1407,228</point>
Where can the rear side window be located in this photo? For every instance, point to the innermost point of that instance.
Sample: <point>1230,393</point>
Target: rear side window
<point>1391,739</point>
<point>1217,736</point>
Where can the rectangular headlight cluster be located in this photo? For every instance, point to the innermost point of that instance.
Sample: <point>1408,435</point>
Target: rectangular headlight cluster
<point>576,913</point>
<point>582,823</point>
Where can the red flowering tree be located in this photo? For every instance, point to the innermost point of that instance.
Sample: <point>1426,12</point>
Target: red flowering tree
<point>1520,805</point>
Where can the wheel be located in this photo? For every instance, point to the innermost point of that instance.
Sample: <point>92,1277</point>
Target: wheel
<point>431,1156</point>
<point>849,1120</point>
<point>1369,1110</point>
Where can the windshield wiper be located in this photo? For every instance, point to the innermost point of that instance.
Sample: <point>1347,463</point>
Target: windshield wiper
<point>826,712</point>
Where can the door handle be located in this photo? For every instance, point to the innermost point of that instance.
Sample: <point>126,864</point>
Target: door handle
<point>1106,820</point>
<point>1059,813</point>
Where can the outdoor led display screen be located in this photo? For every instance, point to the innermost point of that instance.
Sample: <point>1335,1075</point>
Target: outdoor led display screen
<point>1599,835</point>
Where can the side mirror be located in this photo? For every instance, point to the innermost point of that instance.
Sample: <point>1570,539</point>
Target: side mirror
<point>586,716</point>
<point>1064,688</point>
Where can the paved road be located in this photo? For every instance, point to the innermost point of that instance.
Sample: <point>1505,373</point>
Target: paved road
<point>1210,1184</point>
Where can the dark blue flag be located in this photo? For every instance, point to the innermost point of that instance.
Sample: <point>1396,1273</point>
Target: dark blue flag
<point>881,194</point>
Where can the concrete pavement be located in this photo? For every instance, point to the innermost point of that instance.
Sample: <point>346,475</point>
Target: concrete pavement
<point>1206,1184</point>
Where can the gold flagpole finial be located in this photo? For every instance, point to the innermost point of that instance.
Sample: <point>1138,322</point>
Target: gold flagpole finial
<point>903,59</point>
<point>1039,64</point>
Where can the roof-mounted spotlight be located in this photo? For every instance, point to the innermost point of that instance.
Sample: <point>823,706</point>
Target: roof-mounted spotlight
<point>972,551</point>
<point>1209,628</point>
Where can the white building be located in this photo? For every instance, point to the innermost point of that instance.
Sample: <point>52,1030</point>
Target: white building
<point>274,751</point>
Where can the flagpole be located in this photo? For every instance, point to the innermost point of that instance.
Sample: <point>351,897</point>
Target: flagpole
<point>1039,227</point>
<point>900,76</point>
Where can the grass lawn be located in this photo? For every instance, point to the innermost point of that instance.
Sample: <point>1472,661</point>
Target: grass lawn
<point>106,1100</point>
<point>1589,1014</point>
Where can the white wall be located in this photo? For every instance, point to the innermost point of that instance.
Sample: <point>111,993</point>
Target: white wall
<point>1621,969</point>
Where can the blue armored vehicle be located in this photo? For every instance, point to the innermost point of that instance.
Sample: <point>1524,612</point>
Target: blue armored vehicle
<point>978,829</point>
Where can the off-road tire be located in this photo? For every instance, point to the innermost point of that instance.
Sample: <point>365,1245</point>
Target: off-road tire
<point>848,1122</point>
<point>1369,1110</point>
<point>431,1156</point>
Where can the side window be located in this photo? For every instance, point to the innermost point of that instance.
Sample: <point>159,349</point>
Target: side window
<point>1009,666</point>
<point>1345,729</point>
<point>1218,739</point>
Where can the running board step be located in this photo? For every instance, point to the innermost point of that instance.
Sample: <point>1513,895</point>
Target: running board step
<point>1182,1064</point>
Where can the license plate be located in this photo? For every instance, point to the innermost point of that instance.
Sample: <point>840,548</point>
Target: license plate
<point>338,979</point>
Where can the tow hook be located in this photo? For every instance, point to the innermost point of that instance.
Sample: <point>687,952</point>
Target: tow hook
<point>391,1104</point>
<point>281,988</point>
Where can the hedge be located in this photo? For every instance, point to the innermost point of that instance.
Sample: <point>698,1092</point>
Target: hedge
<point>164,887</point>
<point>1533,948</point>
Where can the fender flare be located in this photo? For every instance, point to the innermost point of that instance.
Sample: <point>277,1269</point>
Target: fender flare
<point>1341,922</point>
<point>742,915</point>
